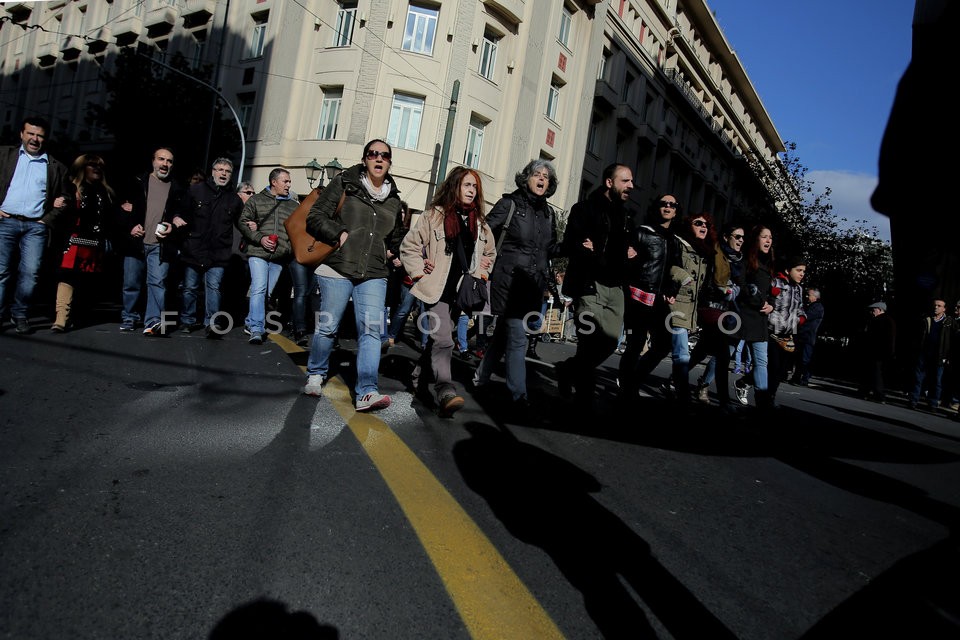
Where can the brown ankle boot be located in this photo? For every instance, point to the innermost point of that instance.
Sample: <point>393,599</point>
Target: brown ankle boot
<point>64,302</point>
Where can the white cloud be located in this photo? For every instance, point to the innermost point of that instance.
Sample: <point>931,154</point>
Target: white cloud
<point>850,197</point>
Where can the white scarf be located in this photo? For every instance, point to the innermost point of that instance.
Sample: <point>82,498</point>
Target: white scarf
<point>377,195</point>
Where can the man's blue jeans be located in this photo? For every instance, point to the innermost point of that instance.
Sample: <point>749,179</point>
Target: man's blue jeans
<point>263,278</point>
<point>929,369</point>
<point>758,351</point>
<point>134,268</point>
<point>156,283</point>
<point>212,277</point>
<point>369,298</point>
<point>28,240</point>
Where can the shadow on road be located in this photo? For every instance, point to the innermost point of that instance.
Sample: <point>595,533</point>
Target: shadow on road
<point>545,501</point>
<point>265,618</point>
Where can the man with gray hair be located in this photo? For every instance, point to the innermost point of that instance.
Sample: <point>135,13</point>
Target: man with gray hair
<point>209,243</point>
<point>266,245</point>
<point>806,337</point>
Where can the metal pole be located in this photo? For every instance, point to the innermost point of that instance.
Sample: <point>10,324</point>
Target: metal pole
<point>243,139</point>
<point>216,81</point>
<point>448,133</point>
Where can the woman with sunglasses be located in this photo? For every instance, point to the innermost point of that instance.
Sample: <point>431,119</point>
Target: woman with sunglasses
<point>652,252</point>
<point>696,242</point>
<point>360,212</point>
<point>450,240</point>
<point>91,206</point>
<point>718,318</point>
<point>755,302</point>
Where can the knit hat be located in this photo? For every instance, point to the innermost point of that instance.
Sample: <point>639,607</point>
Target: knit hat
<point>879,305</point>
<point>795,261</point>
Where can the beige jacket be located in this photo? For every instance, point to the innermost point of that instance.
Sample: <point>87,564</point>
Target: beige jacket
<point>426,240</point>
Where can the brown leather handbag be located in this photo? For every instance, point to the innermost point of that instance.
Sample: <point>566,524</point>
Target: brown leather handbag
<point>307,250</point>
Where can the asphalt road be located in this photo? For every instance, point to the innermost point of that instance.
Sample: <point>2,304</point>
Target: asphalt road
<point>181,488</point>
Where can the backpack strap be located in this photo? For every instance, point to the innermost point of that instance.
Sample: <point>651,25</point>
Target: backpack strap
<point>506,225</point>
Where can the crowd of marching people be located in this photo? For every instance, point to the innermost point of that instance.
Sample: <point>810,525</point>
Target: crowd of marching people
<point>192,254</point>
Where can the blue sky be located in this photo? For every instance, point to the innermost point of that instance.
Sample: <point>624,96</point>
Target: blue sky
<point>827,72</point>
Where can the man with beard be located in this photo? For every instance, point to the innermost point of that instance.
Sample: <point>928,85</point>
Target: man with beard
<point>208,246</point>
<point>151,212</point>
<point>595,242</point>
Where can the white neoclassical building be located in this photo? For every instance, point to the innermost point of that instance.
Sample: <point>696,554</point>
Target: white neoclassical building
<point>486,83</point>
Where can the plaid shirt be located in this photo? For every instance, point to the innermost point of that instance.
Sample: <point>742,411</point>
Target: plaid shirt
<point>788,313</point>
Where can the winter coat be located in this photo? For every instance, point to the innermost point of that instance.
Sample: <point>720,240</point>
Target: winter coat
<point>604,223</point>
<point>178,203</point>
<point>372,226</point>
<point>808,330</point>
<point>753,295</point>
<point>57,181</point>
<point>268,212</point>
<point>657,252</point>
<point>210,224</point>
<point>85,227</point>
<point>788,313</point>
<point>689,280</point>
<point>427,236</point>
<point>520,275</point>
<point>941,350</point>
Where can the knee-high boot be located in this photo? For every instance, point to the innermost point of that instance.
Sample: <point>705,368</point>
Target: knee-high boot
<point>64,302</point>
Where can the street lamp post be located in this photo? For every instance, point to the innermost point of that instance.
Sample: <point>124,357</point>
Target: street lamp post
<point>316,171</point>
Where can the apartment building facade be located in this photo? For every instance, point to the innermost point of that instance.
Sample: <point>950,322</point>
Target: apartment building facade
<point>652,84</point>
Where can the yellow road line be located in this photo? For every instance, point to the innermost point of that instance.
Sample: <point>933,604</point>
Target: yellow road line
<point>491,599</point>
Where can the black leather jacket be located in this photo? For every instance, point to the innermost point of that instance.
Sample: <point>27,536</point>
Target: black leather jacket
<point>210,222</point>
<point>657,251</point>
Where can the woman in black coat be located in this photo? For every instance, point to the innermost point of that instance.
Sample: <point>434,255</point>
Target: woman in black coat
<point>756,302</point>
<point>526,232</point>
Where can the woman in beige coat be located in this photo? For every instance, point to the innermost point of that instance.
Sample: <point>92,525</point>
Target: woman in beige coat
<point>450,239</point>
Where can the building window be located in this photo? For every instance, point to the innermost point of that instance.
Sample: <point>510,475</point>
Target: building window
<point>566,21</point>
<point>593,135</point>
<point>553,99</point>
<point>330,113</point>
<point>627,87</point>
<point>346,18</point>
<point>259,35</point>
<point>246,102</point>
<point>604,63</point>
<point>405,117</point>
<point>488,55</point>
<point>421,30</point>
<point>471,156</point>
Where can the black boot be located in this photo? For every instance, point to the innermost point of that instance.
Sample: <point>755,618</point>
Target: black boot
<point>532,341</point>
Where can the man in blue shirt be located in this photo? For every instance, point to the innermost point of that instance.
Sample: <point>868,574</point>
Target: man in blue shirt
<point>31,198</point>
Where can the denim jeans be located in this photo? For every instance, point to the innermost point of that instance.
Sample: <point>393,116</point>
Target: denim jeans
<point>463,323</point>
<point>369,297</point>
<point>263,278</point>
<point>509,341</point>
<point>929,368</point>
<point>29,240</point>
<point>134,268</point>
<point>399,317</point>
<point>156,283</point>
<point>212,277</point>
<point>758,351</point>
<point>302,277</point>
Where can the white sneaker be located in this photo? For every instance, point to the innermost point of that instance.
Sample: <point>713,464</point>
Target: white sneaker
<point>314,386</point>
<point>742,391</point>
<point>372,402</point>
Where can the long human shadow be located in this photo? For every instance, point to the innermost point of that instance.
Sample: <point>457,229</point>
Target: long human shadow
<point>545,501</point>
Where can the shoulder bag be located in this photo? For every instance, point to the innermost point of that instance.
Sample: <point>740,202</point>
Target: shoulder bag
<point>307,250</point>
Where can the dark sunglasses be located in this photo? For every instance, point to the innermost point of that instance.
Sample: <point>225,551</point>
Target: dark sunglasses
<point>701,223</point>
<point>98,165</point>
<point>737,236</point>
<point>669,205</point>
<point>248,193</point>
<point>386,155</point>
